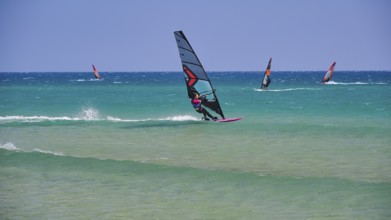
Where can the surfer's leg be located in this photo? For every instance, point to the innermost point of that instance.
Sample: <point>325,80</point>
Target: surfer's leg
<point>201,111</point>
<point>207,113</point>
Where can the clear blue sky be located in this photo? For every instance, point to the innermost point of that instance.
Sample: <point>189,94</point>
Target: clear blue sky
<point>235,35</point>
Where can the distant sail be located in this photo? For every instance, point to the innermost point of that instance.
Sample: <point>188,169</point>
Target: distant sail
<point>329,73</point>
<point>266,76</point>
<point>96,74</point>
<point>197,80</point>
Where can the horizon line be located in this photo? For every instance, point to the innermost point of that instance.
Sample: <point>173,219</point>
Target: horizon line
<point>214,71</point>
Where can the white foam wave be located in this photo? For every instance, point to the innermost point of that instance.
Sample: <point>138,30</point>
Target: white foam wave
<point>110,118</point>
<point>342,83</point>
<point>89,114</point>
<point>98,80</point>
<point>179,118</point>
<point>9,146</point>
<point>86,80</point>
<point>172,118</point>
<point>34,118</point>
<point>48,152</point>
<point>285,90</point>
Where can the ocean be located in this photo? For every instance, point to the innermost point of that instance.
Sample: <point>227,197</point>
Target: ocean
<point>131,146</point>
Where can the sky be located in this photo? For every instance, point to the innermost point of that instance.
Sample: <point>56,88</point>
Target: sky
<point>227,35</point>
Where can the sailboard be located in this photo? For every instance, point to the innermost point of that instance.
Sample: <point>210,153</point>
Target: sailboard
<point>196,79</point>
<point>266,80</point>
<point>328,74</point>
<point>96,73</point>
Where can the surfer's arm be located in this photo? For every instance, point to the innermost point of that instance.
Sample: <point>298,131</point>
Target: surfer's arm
<point>203,99</point>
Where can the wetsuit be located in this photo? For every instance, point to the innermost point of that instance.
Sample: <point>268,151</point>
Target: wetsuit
<point>197,106</point>
<point>266,83</point>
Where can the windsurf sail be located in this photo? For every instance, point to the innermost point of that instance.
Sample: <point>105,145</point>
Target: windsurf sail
<point>329,73</point>
<point>96,74</point>
<point>266,76</point>
<point>197,81</point>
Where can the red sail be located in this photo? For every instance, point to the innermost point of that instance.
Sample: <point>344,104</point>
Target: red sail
<point>96,74</point>
<point>329,73</point>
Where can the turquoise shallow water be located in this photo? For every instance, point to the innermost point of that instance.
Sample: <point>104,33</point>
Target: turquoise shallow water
<point>131,147</point>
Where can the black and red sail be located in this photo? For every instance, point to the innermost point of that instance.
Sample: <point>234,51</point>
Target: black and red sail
<point>197,80</point>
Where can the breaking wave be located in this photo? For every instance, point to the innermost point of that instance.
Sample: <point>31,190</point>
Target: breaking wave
<point>172,118</point>
<point>11,147</point>
<point>35,119</point>
<point>86,80</point>
<point>48,152</point>
<point>355,83</point>
<point>88,114</point>
<point>343,83</point>
<point>285,90</point>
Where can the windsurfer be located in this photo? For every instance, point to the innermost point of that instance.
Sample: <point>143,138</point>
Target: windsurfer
<point>196,102</point>
<point>266,76</point>
<point>266,84</point>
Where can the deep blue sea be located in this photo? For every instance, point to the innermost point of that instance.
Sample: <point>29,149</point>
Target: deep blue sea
<point>131,146</point>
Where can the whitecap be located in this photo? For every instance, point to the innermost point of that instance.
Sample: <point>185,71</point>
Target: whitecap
<point>89,114</point>
<point>32,118</point>
<point>110,118</point>
<point>179,118</point>
<point>48,152</point>
<point>285,90</point>
<point>170,118</point>
<point>9,146</point>
<point>343,83</point>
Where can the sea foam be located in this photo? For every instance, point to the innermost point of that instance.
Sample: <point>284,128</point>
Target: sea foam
<point>48,152</point>
<point>87,114</point>
<point>170,118</point>
<point>90,116</point>
<point>285,90</point>
<point>180,118</point>
<point>9,146</point>
<point>21,118</point>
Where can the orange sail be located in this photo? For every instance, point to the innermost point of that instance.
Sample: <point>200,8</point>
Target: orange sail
<point>96,74</point>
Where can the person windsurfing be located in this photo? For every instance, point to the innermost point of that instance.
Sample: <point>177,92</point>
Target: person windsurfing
<point>196,102</point>
<point>266,82</point>
<point>266,76</point>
